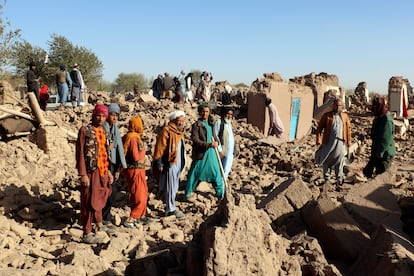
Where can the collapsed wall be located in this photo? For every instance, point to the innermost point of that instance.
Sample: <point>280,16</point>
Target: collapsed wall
<point>293,102</point>
<point>319,83</point>
<point>398,96</point>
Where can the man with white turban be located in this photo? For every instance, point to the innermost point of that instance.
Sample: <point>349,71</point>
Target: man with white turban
<point>169,160</point>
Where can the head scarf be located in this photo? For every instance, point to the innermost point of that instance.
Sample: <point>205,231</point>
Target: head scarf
<point>62,67</point>
<point>225,110</point>
<point>379,106</point>
<point>100,109</point>
<point>135,130</point>
<point>175,114</point>
<point>114,108</point>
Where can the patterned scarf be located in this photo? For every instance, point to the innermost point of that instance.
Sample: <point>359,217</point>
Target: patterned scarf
<point>102,153</point>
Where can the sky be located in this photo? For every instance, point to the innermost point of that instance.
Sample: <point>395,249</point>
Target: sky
<point>235,40</point>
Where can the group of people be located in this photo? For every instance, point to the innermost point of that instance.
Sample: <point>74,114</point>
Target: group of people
<point>70,86</point>
<point>102,154</point>
<point>181,88</point>
<point>335,129</point>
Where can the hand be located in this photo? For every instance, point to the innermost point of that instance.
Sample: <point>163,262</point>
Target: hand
<point>214,144</point>
<point>116,176</point>
<point>110,177</point>
<point>85,181</point>
<point>160,169</point>
<point>221,155</point>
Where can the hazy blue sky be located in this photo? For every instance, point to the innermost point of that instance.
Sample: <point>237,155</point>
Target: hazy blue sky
<point>237,41</point>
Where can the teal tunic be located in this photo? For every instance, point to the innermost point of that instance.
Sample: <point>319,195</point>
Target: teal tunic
<point>206,169</point>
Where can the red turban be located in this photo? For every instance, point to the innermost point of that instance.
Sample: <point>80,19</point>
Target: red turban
<point>100,109</point>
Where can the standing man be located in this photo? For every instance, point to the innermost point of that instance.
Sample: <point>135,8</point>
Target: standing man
<point>63,83</point>
<point>382,135</point>
<point>168,87</point>
<point>205,165</point>
<point>336,128</point>
<point>116,157</point>
<point>169,160</point>
<point>157,86</point>
<point>92,164</point>
<point>224,131</point>
<point>78,86</point>
<point>33,80</point>
<point>276,127</point>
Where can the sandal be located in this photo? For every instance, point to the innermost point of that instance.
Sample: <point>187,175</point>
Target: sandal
<point>129,224</point>
<point>91,239</point>
<point>108,230</point>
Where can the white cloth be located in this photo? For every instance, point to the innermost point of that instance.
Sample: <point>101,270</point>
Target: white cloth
<point>175,114</point>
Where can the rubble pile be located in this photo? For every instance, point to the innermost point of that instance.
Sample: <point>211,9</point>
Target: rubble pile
<point>277,219</point>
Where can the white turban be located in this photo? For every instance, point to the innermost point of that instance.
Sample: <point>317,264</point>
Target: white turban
<point>227,88</point>
<point>174,115</point>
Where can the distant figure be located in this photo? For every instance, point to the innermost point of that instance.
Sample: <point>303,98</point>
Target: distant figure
<point>276,127</point>
<point>136,91</point>
<point>135,173</point>
<point>116,157</point>
<point>188,93</point>
<point>226,96</point>
<point>78,86</point>
<point>336,128</point>
<point>382,135</point>
<point>63,83</point>
<point>168,87</point>
<point>33,80</point>
<point>157,87</point>
<point>224,131</point>
<point>169,160</point>
<point>96,178</point>
<point>44,96</point>
<point>203,92</point>
<point>205,165</point>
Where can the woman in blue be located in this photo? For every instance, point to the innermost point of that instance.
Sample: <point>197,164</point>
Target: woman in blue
<point>205,165</point>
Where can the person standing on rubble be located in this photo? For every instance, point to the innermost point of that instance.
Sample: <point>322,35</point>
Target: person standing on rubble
<point>78,86</point>
<point>33,80</point>
<point>276,127</point>
<point>93,168</point>
<point>134,151</point>
<point>336,128</point>
<point>116,157</point>
<point>169,161</point>
<point>382,135</point>
<point>224,131</point>
<point>63,83</point>
<point>205,165</point>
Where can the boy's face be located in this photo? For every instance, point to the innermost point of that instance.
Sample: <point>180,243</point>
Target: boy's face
<point>112,118</point>
<point>98,119</point>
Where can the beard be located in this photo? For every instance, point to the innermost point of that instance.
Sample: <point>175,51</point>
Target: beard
<point>228,121</point>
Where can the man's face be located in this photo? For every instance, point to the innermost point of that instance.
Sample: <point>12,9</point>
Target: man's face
<point>338,106</point>
<point>180,123</point>
<point>112,118</point>
<point>228,116</point>
<point>98,119</point>
<point>204,113</point>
